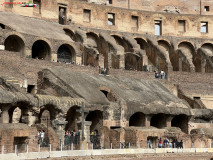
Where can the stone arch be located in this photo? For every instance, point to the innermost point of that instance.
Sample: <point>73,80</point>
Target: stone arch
<point>119,40</point>
<point>71,34</point>
<point>114,58</point>
<point>133,62</point>
<point>108,94</point>
<point>92,40</point>
<point>187,54</point>
<point>41,50</point>
<point>158,120</point>
<point>18,113</point>
<point>207,54</point>
<point>49,111</point>
<point>137,119</point>
<point>142,42</point>
<point>66,53</point>
<point>166,46</point>
<point>72,118</point>
<point>15,43</point>
<point>180,121</point>
<point>96,117</point>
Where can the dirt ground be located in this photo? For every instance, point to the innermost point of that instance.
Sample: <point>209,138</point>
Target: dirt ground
<point>167,156</point>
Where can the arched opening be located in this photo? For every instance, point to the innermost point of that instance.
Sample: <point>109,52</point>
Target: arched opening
<point>142,43</point>
<point>172,55</point>
<point>137,119</point>
<point>158,120</point>
<point>72,118</point>
<point>41,50</point>
<point>133,62</point>
<point>109,96</point>
<point>18,113</point>
<point>114,58</point>
<point>45,118</point>
<point>180,121</point>
<point>92,40</point>
<point>186,55</point>
<point>96,117</point>
<point>14,43</point>
<point>47,114</point>
<point>207,52</point>
<point>71,34</point>
<point>66,53</point>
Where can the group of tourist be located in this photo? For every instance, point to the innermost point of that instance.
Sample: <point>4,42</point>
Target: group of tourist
<point>103,71</point>
<point>41,134</point>
<point>160,74</point>
<point>166,143</point>
<point>71,137</point>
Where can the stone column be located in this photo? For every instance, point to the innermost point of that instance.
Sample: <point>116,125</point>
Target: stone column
<point>86,140</point>
<point>59,126</point>
<point>122,62</point>
<point>147,120</point>
<point>78,60</point>
<point>169,120</point>
<point>157,62</point>
<point>28,52</point>
<point>145,60</point>
<point>31,118</point>
<point>53,57</point>
<point>180,64</point>
<point>203,65</point>
<point>109,60</point>
<point>101,60</point>
<point>5,115</point>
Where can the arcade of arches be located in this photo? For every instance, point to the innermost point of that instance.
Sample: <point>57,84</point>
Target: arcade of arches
<point>96,51</point>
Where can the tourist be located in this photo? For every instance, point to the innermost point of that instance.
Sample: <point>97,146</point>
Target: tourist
<point>39,136</point>
<point>165,142</point>
<point>162,74</point>
<point>42,135</point>
<point>99,70</point>
<point>160,144</point>
<point>149,143</point>
<point>170,144</point>
<point>181,144</point>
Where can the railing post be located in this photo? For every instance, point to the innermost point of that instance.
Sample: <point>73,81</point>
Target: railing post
<point>87,146</point>
<point>61,147</point>
<point>72,146</point>
<point>120,145</point>
<point>129,144</point>
<point>39,147</point>
<point>15,149</point>
<point>50,147</point>
<point>92,146</point>
<point>2,149</point>
<point>111,146</point>
<point>27,148</point>
<point>82,146</point>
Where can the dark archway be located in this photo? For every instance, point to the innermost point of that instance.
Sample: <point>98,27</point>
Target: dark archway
<point>133,62</point>
<point>180,121</point>
<point>47,111</point>
<point>72,118</point>
<point>137,119</point>
<point>158,120</point>
<point>14,43</point>
<point>41,50</point>
<point>18,113</point>
<point>96,117</point>
<point>66,53</point>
